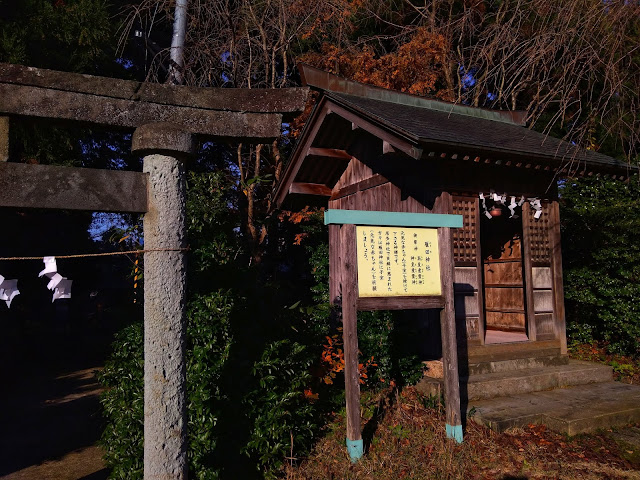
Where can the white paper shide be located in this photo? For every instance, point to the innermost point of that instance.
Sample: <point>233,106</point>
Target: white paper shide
<point>61,286</point>
<point>8,290</point>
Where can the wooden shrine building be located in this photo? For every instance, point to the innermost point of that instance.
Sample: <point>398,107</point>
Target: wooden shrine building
<point>367,148</point>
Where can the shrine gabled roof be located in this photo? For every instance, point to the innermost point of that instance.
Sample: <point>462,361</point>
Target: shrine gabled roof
<point>429,127</point>
<point>419,127</point>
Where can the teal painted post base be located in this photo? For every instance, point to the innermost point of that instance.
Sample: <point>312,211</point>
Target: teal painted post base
<point>355,449</point>
<point>455,432</point>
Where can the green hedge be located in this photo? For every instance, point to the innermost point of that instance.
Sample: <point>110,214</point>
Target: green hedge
<point>601,256</point>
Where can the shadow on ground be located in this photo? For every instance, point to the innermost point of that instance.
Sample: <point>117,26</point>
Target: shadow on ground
<point>49,408</point>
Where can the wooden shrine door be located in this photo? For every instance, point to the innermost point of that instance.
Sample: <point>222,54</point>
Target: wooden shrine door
<point>504,286</point>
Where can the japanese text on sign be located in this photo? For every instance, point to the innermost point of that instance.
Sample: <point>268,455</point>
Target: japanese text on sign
<point>396,261</point>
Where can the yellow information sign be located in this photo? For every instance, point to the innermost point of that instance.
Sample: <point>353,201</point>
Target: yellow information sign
<point>397,261</point>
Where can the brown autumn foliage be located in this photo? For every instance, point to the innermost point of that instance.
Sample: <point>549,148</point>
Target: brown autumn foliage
<point>573,65</point>
<point>332,360</point>
<point>416,67</point>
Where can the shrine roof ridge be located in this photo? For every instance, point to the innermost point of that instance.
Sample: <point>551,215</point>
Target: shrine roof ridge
<point>327,82</point>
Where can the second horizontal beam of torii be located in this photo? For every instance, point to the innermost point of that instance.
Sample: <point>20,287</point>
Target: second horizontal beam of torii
<point>234,113</point>
<point>164,119</point>
<point>69,188</point>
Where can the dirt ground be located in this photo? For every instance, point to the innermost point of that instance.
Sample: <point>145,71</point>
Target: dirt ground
<point>407,441</point>
<point>49,405</point>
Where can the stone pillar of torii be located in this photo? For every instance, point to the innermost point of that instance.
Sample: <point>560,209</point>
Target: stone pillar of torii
<point>165,118</point>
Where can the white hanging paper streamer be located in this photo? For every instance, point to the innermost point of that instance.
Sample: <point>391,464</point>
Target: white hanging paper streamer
<point>536,204</point>
<point>484,206</point>
<point>55,280</point>
<point>60,285</point>
<point>501,199</point>
<point>63,290</point>
<point>50,266</point>
<point>512,207</point>
<point>8,290</point>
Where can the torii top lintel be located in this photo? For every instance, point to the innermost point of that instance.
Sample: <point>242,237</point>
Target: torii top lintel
<point>247,114</point>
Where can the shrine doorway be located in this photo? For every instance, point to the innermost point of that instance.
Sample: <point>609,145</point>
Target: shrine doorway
<point>504,279</point>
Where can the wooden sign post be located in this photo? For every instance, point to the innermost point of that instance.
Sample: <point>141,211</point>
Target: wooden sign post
<point>392,261</point>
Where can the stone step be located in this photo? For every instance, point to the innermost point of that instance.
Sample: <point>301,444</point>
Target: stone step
<point>508,351</point>
<point>497,366</point>
<point>498,384</point>
<point>571,410</point>
<point>525,380</point>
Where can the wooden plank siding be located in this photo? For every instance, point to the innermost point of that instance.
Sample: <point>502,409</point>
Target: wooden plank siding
<point>540,290</point>
<point>527,217</point>
<point>468,264</point>
<point>363,187</point>
<point>556,275</point>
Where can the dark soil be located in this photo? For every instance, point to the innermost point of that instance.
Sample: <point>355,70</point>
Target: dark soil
<point>49,405</point>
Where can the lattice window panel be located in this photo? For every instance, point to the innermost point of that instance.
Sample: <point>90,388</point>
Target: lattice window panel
<point>465,243</point>
<point>540,238</point>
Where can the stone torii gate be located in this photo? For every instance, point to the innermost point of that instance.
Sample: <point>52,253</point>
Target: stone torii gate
<point>165,119</point>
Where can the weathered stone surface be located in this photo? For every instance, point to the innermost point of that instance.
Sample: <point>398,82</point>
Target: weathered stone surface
<point>165,455</point>
<point>162,137</point>
<point>524,375</point>
<point>517,364</point>
<point>279,100</point>
<point>4,139</point>
<point>57,104</point>
<point>535,379</point>
<point>89,189</point>
<point>573,410</point>
<point>572,398</point>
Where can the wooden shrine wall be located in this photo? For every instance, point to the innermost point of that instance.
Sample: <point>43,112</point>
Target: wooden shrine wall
<point>360,188</point>
<point>543,270</point>
<point>468,268</point>
<point>366,186</point>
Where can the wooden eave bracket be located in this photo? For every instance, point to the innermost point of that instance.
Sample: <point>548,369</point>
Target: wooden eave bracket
<point>329,153</point>
<point>310,189</point>
<point>391,141</point>
<point>301,151</point>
